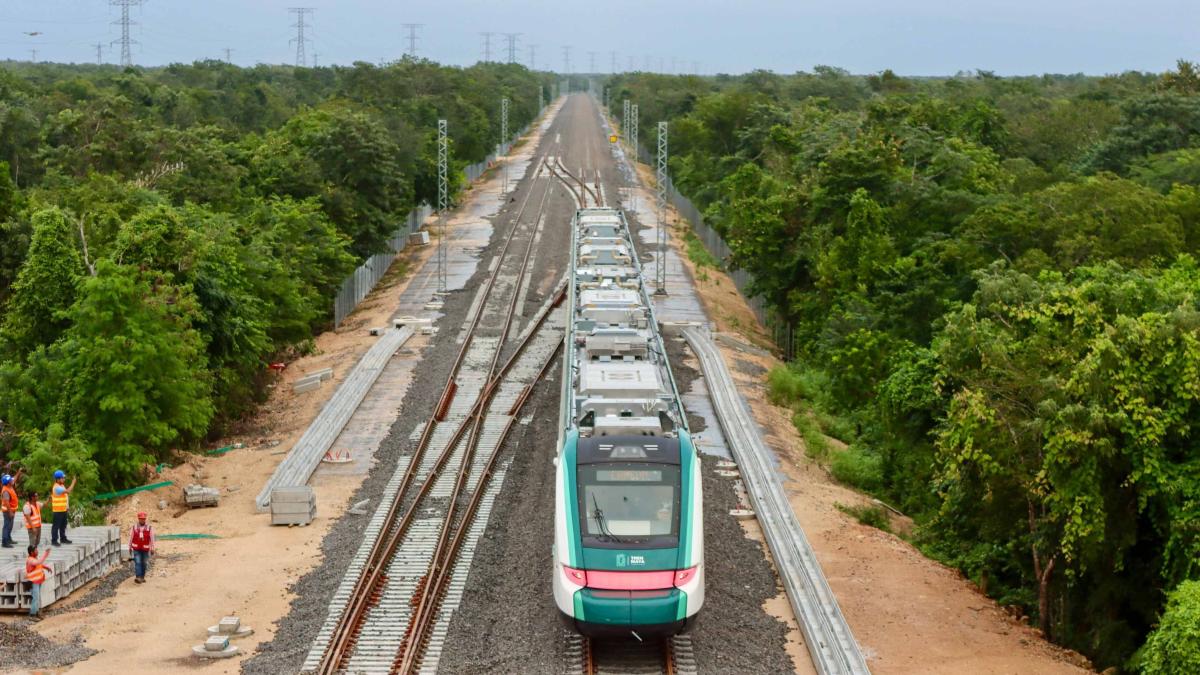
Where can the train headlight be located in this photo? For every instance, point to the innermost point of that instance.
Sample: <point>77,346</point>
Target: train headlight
<point>684,576</point>
<point>577,577</point>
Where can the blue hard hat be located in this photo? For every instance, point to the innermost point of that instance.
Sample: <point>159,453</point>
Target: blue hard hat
<point>59,474</point>
<point>5,479</point>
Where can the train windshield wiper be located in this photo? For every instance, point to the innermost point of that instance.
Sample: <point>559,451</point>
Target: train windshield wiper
<point>598,516</point>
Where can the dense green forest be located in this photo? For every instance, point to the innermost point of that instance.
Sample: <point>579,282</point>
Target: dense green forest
<point>994,288</point>
<point>165,233</point>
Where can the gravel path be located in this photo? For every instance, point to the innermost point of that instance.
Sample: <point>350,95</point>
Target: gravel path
<point>25,649</point>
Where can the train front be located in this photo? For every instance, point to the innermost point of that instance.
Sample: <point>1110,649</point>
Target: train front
<point>629,547</point>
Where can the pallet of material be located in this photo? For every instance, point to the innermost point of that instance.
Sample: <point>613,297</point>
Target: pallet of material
<point>197,496</point>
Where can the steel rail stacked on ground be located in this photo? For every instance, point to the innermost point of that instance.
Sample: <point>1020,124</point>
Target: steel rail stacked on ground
<point>830,641</point>
<point>370,582</point>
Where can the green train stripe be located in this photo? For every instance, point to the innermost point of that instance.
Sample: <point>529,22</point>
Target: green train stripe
<point>567,460</point>
<point>687,485</point>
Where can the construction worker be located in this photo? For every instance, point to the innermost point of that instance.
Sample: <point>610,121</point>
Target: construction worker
<point>141,547</point>
<point>33,519</point>
<point>35,572</point>
<point>8,505</point>
<point>60,501</point>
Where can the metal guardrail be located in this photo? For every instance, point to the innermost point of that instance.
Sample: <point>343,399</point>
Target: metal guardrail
<point>830,641</point>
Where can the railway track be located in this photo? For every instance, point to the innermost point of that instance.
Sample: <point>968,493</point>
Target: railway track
<point>628,656</point>
<point>393,608</point>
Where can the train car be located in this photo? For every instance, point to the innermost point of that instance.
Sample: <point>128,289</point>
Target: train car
<point>629,530</point>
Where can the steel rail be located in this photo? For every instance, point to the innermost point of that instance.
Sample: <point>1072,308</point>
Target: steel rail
<point>826,632</point>
<point>373,575</point>
<point>579,200</point>
<point>443,554</point>
<point>582,184</point>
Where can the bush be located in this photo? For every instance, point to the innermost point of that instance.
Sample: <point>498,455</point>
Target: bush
<point>873,516</point>
<point>858,467</point>
<point>697,253</point>
<point>1174,647</point>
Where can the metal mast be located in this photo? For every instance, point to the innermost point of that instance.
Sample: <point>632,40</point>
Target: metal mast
<point>99,52</point>
<point>633,130</point>
<point>125,22</point>
<point>533,57</point>
<point>487,46</point>
<point>443,203</point>
<point>660,269</point>
<point>412,37</point>
<point>504,138</point>
<point>625,121</point>
<point>512,46</point>
<point>566,59</point>
<point>300,40</point>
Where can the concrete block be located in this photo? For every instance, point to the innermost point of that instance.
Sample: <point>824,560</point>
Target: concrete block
<point>741,514</point>
<point>418,238</point>
<point>278,508</point>
<point>196,496</point>
<point>293,518</point>
<point>300,493</point>
<point>306,383</point>
<point>322,374</point>
<point>216,643</point>
<point>228,625</point>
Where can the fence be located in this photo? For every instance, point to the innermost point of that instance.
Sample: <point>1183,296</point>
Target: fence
<point>781,331</point>
<point>362,280</point>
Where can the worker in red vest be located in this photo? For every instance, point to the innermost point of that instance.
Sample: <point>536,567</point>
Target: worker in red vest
<point>8,506</point>
<point>35,572</point>
<point>33,519</point>
<point>141,547</point>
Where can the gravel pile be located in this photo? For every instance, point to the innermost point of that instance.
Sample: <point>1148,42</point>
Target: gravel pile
<point>24,649</point>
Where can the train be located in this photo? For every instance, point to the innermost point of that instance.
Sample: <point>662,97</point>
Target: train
<point>628,517</point>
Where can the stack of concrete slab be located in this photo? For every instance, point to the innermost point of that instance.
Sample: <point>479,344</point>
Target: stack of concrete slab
<point>293,505</point>
<point>311,381</point>
<point>93,551</point>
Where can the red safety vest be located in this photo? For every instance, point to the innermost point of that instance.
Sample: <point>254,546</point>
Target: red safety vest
<point>35,516</point>
<point>140,541</point>
<point>34,570</point>
<point>9,506</point>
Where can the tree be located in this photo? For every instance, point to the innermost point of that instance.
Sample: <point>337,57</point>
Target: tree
<point>131,370</point>
<point>1174,647</point>
<point>46,286</point>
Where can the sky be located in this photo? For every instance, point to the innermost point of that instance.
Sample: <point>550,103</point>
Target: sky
<point>911,37</point>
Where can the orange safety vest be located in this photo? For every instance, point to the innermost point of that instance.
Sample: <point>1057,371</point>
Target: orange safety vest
<point>34,570</point>
<point>8,491</point>
<point>59,502</point>
<point>34,520</point>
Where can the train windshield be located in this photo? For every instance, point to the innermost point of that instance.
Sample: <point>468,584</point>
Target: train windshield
<point>636,503</point>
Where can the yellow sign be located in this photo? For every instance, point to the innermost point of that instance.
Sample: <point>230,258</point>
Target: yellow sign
<point>612,139</point>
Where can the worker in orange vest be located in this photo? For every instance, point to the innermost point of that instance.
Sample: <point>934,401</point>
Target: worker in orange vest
<point>33,519</point>
<point>141,547</point>
<point>35,572</point>
<point>60,502</point>
<point>8,506</point>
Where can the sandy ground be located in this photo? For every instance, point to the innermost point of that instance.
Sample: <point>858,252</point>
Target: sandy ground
<point>910,614</point>
<point>246,571</point>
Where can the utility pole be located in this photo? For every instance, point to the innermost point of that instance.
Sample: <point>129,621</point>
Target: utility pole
<point>660,269</point>
<point>633,130</point>
<point>512,46</point>
<point>125,22</point>
<point>487,47</point>
<point>443,205</point>
<point>99,52</point>
<point>612,67</point>
<point>504,140</point>
<point>229,55</point>
<point>566,60</point>
<point>300,40</point>
<point>533,57</point>
<point>591,62</point>
<point>315,55</point>
<point>33,55</point>
<point>412,37</point>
